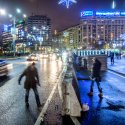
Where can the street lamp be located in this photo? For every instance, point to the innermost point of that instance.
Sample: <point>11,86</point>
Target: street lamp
<point>18,10</point>
<point>24,15</point>
<point>13,30</point>
<point>10,15</point>
<point>2,12</point>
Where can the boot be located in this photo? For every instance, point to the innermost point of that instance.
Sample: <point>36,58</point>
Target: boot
<point>90,94</point>
<point>27,104</point>
<point>100,95</point>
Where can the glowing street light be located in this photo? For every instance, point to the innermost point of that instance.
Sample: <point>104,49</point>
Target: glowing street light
<point>34,28</point>
<point>24,15</point>
<point>2,12</point>
<point>18,10</point>
<point>10,15</point>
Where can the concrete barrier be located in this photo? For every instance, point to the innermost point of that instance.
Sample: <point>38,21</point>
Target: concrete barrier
<point>71,104</point>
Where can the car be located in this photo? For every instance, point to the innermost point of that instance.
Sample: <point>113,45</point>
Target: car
<point>32,57</point>
<point>5,67</point>
<point>44,55</point>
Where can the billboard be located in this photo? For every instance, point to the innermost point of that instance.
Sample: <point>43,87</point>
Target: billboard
<point>102,13</point>
<point>86,13</point>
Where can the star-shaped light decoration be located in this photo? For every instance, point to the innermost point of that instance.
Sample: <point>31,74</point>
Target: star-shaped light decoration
<point>113,4</point>
<point>67,2</point>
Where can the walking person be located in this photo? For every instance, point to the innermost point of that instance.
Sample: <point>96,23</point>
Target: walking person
<point>112,58</point>
<point>96,77</point>
<point>31,82</point>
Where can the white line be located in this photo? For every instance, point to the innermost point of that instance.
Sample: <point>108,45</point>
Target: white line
<point>75,120</point>
<point>41,116</point>
<point>116,74</point>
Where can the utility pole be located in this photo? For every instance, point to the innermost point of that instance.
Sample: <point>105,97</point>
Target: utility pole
<point>13,32</point>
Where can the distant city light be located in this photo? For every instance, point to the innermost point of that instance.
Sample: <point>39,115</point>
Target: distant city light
<point>122,36</point>
<point>18,10</point>
<point>22,33</point>
<point>24,15</point>
<point>34,28</point>
<point>5,28</point>
<point>10,15</point>
<point>67,2</point>
<point>2,12</point>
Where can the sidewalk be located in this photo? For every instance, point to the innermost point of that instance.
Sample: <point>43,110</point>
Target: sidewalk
<point>110,109</point>
<point>118,67</point>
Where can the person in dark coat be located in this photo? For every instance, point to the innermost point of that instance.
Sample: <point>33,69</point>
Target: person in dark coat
<point>96,77</point>
<point>31,82</point>
<point>112,58</point>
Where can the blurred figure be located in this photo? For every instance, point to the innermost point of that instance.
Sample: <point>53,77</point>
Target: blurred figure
<point>112,58</point>
<point>31,82</point>
<point>96,77</point>
<point>120,55</point>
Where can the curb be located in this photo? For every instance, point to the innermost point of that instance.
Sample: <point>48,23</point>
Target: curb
<point>117,72</point>
<point>10,58</point>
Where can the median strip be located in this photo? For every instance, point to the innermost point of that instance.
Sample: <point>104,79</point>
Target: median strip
<point>59,79</point>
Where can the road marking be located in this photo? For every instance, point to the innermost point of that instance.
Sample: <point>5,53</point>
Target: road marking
<point>116,74</point>
<point>41,116</point>
<point>75,120</point>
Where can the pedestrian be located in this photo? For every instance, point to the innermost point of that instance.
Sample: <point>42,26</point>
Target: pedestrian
<point>96,77</point>
<point>120,54</point>
<point>112,58</point>
<point>31,82</point>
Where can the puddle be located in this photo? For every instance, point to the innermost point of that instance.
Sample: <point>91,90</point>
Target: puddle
<point>115,105</point>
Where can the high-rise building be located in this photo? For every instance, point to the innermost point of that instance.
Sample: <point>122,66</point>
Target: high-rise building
<point>20,37</point>
<point>96,30</point>
<point>102,28</point>
<point>39,26</point>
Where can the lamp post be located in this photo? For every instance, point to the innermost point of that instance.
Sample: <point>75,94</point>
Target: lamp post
<point>13,30</point>
<point>2,12</point>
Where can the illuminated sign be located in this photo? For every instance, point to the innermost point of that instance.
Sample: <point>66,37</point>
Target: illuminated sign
<point>107,13</point>
<point>122,13</point>
<point>5,28</point>
<point>86,13</point>
<point>101,13</point>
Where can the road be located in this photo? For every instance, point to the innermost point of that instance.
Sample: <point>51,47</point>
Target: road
<point>108,111</point>
<point>12,105</point>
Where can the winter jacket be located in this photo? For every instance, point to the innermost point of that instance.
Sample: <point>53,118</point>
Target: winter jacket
<point>31,79</point>
<point>96,70</point>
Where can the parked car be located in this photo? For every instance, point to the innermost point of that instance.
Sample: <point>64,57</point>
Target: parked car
<point>5,67</point>
<point>32,57</point>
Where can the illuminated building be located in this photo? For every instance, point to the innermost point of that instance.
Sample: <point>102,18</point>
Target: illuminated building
<point>96,30</point>
<point>20,38</point>
<point>22,31</point>
<point>101,28</point>
<point>67,39</point>
<point>40,27</point>
<point>6,35</point>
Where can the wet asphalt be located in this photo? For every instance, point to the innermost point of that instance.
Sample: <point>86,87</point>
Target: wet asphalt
<point>107,111</point>
<point>12,105</point>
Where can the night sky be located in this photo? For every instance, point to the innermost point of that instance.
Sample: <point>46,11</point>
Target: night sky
<point>60,15</point>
